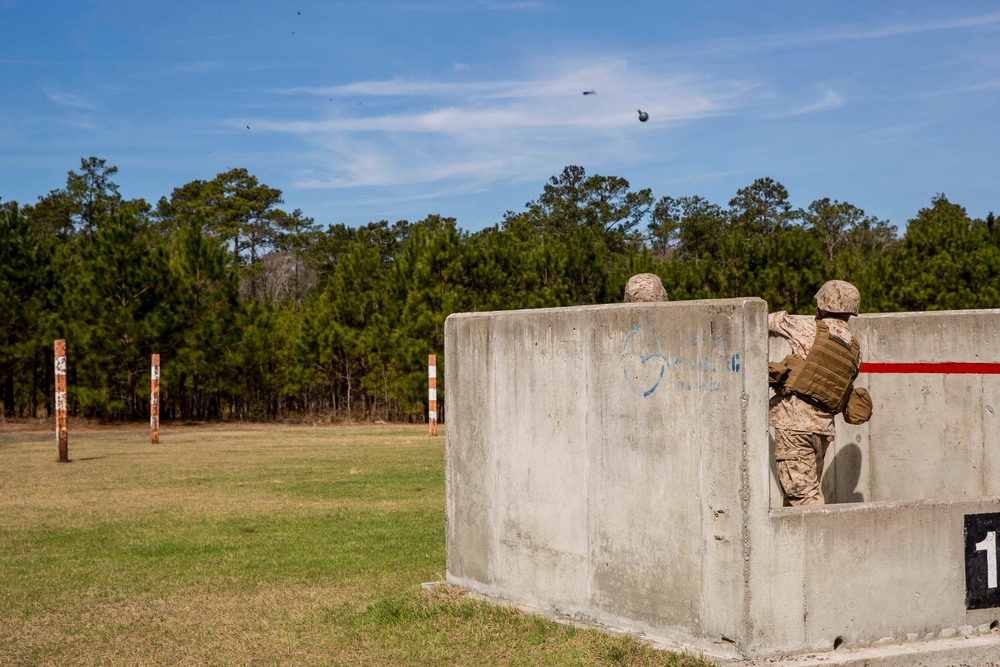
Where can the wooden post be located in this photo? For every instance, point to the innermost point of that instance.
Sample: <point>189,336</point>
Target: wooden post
<point>154,401</point>
<point>432,419</point>
<point>62,438</point>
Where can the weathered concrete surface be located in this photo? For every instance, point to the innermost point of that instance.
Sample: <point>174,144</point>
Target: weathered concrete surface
<point>866,573</point>
<point>937,435</point>
<point>611,464</point>
<point>595,460</point>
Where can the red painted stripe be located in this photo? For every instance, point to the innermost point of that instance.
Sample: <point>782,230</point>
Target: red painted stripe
<point>931,367</point>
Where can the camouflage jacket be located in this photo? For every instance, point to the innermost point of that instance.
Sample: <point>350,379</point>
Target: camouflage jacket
<point>791,413</point>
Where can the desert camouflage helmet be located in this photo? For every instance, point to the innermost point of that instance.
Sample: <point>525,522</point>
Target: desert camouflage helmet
<point>645,287</point>
<point>838,296</point>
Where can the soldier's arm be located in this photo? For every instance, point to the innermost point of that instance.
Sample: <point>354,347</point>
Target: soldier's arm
<point>777,324</point>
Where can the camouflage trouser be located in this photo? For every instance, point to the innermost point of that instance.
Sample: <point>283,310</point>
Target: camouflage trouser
<point>799,458</point>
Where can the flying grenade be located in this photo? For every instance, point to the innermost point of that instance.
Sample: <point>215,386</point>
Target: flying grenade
<point>643,116</point>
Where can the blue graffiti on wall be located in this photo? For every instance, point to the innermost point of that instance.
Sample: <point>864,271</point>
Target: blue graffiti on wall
<point>647,361</point>
<point>642,385</point>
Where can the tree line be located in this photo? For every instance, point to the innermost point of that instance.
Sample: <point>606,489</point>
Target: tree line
<point>260,314</point>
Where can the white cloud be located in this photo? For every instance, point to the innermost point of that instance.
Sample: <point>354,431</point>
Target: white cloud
<point>461,131</point>
<point>70,100</point>
<point>809,38</point>
<point>389,88</point>
<point>82,124</point>
<point>890,134</point>
<point>987,86</point>
<point>475,5</point>
<point>914,28</point>
<point>830,100</point>
<point>464,134</point>
<point>202,67</point>
<point>544,99</point>
<point>33,63</point>
<point>993,84</point>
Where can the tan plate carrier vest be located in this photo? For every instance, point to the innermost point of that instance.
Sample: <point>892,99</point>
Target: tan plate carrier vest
<point>826,376</point>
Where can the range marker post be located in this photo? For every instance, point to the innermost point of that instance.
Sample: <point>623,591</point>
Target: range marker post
<point>432,419</point>
<point>154,401</point>
<point>62,437</point>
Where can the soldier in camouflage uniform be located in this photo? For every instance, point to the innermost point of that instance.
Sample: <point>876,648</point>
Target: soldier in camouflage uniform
<point>645,287</point>
<point>803,430</point>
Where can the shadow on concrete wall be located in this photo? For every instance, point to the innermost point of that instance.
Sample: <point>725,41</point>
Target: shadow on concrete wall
<point>777,499</point>
<point>840,476</point>
<point>840,481</point>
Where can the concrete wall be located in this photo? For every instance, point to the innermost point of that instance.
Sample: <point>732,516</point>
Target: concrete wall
<point>868,573</point>
<point>594,460</point>
<point>612,464</point>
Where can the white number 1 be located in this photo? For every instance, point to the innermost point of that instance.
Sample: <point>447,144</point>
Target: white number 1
<point>989,545</point>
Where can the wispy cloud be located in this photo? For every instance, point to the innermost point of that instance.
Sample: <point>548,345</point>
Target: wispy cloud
<point>391,88</point>
<point>681,95</point>
<point>81,124</point>
<point>204,38</point>
<point>830,100</point>
<point>220,67</point>
<point>991,85</point>
<point>978,21</point>
<point>475,5</point>
<point>70,100</point>
<point>469,133</point>
<point>46,63</point>
<point>987,86</point>
<point>809,38</point>
<point>889,133</point>
<point>204,67</point>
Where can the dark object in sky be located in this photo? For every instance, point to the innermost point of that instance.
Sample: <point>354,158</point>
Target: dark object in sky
<point>643,116</point>
<point>590,92</point>
<point>248,127</point>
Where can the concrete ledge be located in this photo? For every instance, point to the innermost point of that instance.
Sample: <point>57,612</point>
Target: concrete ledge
<point>961,651</point>
<point>976,651</point>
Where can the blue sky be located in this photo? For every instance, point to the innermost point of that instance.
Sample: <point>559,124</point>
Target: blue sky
<point>361,111</point>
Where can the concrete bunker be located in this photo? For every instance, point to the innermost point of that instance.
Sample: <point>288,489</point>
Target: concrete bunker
<point>612,465</point>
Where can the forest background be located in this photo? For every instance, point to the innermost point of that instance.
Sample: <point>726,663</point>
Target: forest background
<point>259,314</point>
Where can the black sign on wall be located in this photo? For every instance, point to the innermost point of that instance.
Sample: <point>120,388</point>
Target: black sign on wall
<point>982,539</point>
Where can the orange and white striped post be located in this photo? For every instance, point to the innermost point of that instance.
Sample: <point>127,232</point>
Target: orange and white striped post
<point>62,438</point>
<point>154,400</point>
<point>432,417</point>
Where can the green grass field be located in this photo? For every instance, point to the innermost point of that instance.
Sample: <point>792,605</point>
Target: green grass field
<point>240,545</point>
